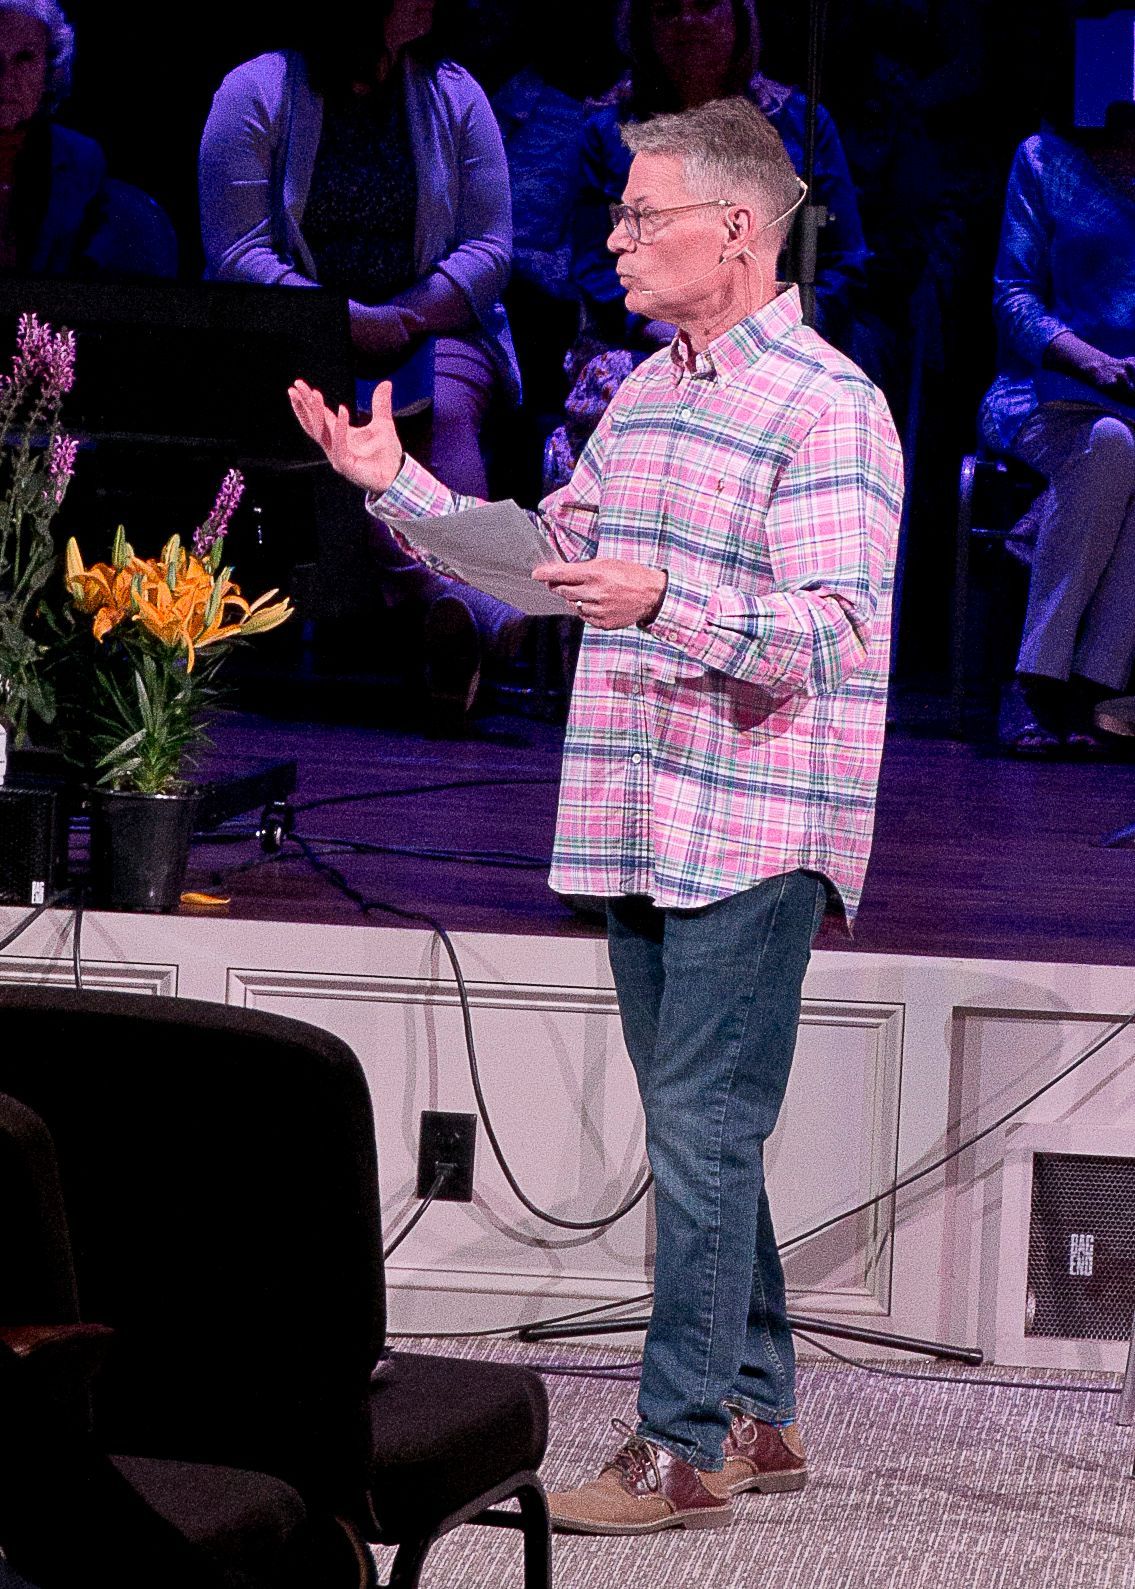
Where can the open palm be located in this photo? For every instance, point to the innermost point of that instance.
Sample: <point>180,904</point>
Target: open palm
<point>370,454</point>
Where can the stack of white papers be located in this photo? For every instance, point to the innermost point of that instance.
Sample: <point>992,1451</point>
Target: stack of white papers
<point>494,547</point>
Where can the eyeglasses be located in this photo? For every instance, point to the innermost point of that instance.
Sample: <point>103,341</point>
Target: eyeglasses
<point>640,223</point>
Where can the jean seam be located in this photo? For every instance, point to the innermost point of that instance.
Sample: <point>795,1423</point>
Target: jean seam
<point>780,1375</point>
<point>761,1410</point>
<point>727,1092</point>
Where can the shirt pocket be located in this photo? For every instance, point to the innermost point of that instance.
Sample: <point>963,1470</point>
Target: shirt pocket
<point>713,528</point>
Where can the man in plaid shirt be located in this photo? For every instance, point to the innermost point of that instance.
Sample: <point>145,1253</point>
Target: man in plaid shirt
<point>728,538</point>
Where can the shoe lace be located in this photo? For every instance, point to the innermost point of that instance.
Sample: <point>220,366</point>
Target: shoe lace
<point>635,1458</point>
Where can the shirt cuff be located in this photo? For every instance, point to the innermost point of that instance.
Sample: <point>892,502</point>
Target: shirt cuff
<point>682,619</point>
<point>1040,334</point>
<point>413,494</point>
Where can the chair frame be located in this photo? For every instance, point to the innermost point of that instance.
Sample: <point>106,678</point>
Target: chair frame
<point>965,534</point>
<point>522,1486</point>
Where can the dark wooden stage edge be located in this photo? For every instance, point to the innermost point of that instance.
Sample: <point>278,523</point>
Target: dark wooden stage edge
<point>976,855</point>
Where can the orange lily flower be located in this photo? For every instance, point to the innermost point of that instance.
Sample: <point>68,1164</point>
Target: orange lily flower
<point>174,597</point>
<point>100,589</point>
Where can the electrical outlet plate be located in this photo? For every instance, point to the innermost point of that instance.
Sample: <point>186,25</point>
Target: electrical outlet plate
<point>447,1139</point>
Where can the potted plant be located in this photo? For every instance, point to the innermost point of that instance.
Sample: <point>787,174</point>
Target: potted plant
<point>36,464</point>
<point>161,629</point>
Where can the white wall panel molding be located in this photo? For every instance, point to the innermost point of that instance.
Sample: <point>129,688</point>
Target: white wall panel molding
<point>900,1058</point>
<point>836,1146</point>
<point>105,976</point>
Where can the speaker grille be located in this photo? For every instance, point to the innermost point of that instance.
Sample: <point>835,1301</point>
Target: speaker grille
<point>1081,1277</point>
<point>33,845</point>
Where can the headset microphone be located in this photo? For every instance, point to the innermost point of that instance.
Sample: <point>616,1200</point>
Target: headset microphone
<point>680,286</point>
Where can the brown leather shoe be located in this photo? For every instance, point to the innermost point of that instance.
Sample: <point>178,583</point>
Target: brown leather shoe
<point>759,1456</point>
<point>644,1488</point>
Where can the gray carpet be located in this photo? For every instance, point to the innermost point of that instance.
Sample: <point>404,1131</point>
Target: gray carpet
<point>914,1486</point>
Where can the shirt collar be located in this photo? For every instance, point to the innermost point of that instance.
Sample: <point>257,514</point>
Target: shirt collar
<point>739,347</point>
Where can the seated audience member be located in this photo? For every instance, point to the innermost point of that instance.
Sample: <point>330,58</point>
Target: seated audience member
<point>363,162</point>
<point>1064,402</point>
<point>541,111</point>
<point>683,53</point>
<point>59,213</point>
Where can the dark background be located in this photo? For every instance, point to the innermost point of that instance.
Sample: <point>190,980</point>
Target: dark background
<point>930,97</point>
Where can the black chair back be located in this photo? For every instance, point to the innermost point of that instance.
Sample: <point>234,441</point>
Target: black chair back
<point>219,1174</point>
<point>37,1278</point>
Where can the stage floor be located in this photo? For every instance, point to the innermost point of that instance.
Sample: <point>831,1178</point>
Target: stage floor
<point>976,855</point>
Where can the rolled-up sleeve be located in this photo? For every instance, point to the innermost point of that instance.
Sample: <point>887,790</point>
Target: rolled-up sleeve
<point>831,530</point>
<point>1021,280</point>
<point>235,182</point>
<point>481,258</point>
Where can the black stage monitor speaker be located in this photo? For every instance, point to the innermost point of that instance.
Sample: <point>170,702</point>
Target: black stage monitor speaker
<point>33,844</point>
<point>1081,1276</point>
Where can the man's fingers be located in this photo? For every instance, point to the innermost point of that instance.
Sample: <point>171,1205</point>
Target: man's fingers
<point>382,412</point>
<point>339,430</point>
<point>311,411</point>
<point>555,574</point>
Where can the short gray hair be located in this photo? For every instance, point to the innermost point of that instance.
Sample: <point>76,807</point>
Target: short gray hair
<point>60,44</point>
<point>729,150</point>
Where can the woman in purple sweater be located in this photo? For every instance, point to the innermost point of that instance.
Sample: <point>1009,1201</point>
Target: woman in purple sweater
<point>362,162</point>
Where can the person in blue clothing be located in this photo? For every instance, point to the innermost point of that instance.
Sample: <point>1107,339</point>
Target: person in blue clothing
<point>59,213</point>
<point>1063,402</point>
<point>365,161</point>
<point>683,53</point>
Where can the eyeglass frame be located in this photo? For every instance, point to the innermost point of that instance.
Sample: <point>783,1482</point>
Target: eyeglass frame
<point>620,213</point>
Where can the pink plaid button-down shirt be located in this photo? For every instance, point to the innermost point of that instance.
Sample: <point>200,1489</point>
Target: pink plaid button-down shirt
<point>738,735</point>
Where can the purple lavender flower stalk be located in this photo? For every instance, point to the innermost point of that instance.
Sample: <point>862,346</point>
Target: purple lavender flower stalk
<point>42,355</point>
<point>213,529</point>
<point>60,466</point>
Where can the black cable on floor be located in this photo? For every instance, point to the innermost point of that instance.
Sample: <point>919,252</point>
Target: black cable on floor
<point>626,1373</point>
<point>424,788</point>
<point>505,858</point>
<point>443,1174</point>
<point>956,1379</point>
<point>368,905</point>
<point>508,859</point>
<point>511,1329</point>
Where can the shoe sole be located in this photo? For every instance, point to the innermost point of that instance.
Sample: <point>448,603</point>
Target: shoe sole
<point>715,1517</point>
<point>771,1483</point>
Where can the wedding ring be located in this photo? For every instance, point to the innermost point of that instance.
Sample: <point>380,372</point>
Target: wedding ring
<point>579,608</point>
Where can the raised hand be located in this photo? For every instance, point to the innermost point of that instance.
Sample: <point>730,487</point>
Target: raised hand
<point>370,455</point>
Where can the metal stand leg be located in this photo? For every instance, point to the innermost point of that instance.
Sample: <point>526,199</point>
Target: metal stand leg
<point>1125,1417</point>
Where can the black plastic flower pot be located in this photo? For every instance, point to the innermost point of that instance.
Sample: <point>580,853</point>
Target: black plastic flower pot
<point>139,849</point>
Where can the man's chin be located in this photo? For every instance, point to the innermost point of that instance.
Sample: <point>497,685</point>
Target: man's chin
<point>638,302</point>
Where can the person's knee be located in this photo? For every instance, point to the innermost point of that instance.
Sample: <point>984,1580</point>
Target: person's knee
<point>456,453</point>
<point>1110,449</point>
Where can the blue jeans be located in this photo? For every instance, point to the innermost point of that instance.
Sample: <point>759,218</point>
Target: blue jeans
<point>710,1003</point>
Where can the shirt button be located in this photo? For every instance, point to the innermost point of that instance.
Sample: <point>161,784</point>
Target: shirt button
<point>687,413</point>
<point>636,758</point>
